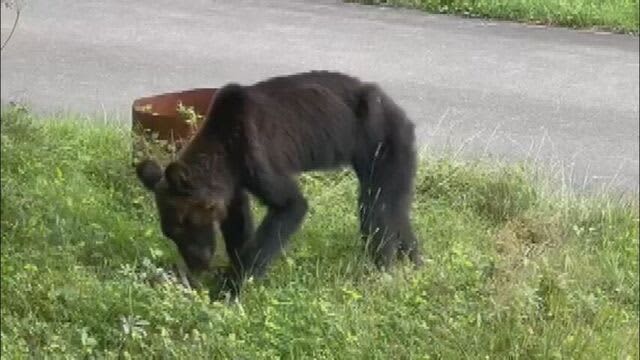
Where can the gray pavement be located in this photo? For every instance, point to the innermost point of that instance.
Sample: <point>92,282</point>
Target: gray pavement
<point>564,98</point>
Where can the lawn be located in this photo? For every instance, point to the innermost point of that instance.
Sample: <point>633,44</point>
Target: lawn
<point>514,270</point>
<point>613,15</point>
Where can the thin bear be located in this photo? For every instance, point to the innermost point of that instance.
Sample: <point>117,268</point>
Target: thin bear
<point>256,139</point>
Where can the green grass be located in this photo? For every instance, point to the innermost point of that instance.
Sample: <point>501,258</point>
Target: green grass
<point>513,271</point>
<point>613,15</point>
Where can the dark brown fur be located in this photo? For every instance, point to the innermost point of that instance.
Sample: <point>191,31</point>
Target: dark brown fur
<point>256,138</point>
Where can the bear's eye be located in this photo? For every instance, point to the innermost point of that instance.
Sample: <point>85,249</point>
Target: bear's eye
<point>186,221</point>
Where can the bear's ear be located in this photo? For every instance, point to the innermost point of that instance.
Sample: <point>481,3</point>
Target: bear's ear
<point>149,173</point>
<point>178,178</point>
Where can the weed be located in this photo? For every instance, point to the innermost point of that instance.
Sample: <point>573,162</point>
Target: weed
<point>512,271</point>
<point>615,15</point>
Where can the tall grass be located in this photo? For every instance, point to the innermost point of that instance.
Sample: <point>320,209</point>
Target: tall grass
<point>512,272</point>
<point>615,15</point>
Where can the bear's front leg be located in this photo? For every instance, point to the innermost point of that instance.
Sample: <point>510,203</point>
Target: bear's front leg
<point>286,211</point>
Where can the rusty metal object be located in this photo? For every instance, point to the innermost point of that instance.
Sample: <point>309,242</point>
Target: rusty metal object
<point>157,117</point>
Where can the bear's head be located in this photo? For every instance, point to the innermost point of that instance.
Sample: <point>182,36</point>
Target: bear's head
<point>188,210</point>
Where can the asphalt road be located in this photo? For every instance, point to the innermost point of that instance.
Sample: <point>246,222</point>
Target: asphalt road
<point>566,99</point>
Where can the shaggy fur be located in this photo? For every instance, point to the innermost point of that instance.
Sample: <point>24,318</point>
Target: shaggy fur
<point>256,138</point>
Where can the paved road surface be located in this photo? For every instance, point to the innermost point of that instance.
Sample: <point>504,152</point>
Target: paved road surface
<point>565,98</point>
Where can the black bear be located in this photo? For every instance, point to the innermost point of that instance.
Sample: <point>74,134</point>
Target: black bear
<point>256,139</point>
